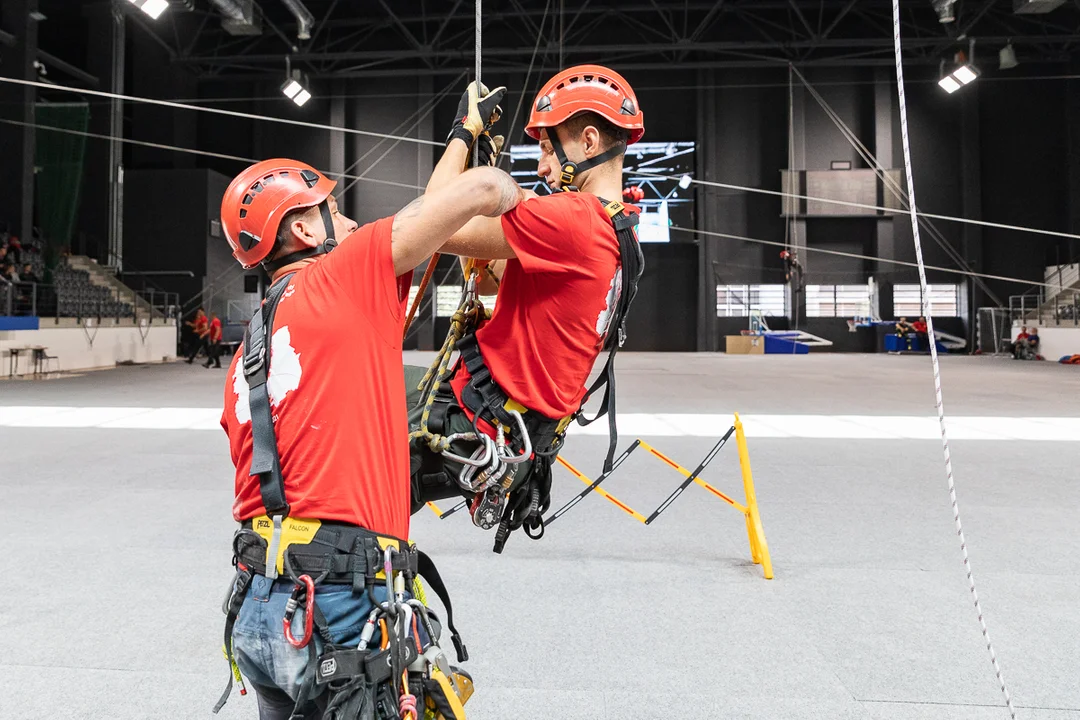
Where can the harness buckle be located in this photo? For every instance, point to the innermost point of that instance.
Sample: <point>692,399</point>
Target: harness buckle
<point>272,549</point>
<point>566,176</point>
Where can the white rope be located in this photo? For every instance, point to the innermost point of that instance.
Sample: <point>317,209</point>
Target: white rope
<point>934,355</point>
<point>215,111</point>
<point>192,151</point>
<point>857,256</point>
<point>777,193</point>
<point>368,133</point>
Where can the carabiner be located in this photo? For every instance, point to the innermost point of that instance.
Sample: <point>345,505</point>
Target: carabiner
<point>473,461</point>
<point>526,452</point>
<point>307,585</point>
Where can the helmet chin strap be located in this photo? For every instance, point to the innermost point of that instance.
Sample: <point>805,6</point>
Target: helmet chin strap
<point>568,171</point>
<point>272,266</point>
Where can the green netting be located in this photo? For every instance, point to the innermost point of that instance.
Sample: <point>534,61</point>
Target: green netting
<point>59,170</point>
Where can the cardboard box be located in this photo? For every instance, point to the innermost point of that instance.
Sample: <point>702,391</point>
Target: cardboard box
<point>745,344</point>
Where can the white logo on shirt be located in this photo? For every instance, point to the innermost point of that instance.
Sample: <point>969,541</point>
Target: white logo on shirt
<point>603,320</point>
<point>285,373</point>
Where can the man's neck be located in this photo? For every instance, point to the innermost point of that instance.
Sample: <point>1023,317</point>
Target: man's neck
<point>607,186</point>
<point>291,268</point>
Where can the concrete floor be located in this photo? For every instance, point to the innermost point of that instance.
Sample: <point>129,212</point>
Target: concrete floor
<point>118,541</point>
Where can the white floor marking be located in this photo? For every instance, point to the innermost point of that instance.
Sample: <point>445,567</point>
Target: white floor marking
<point>822,427</point>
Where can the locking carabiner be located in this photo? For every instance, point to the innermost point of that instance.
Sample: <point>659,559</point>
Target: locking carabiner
<point>307,587</point>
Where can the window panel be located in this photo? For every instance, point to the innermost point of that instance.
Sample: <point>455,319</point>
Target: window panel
<point>740,300</point>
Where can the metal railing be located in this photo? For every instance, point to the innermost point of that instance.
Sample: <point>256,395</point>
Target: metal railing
<point>1061,308</point>
<point>43,300</point>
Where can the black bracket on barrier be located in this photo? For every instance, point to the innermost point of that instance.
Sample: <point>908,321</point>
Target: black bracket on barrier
<point>595,484</point>
<point>691,477</point>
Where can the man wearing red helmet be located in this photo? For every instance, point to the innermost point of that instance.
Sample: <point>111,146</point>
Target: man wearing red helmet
<point>568,265</point>
<point>313,414</point>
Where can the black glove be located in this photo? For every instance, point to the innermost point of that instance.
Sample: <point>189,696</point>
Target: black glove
<point>477,111</point>
<point>490,147</point>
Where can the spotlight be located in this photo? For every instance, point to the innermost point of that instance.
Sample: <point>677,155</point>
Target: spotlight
<point>944,10</point>
<point>153,8</point>
<point>963,73</point>
<point>684,182</point>
<point>1007,58</point>
<point>295,91</point>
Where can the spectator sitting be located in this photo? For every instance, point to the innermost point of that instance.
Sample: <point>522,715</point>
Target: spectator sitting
<point>1020,343</point>
<point>921,330</point>
<point>903,327</point>
<point>9,273</point>
<point>1033,344</point>
<point>27,275</point>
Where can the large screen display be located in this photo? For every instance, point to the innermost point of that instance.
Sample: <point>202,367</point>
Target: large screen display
<point>663,201</point>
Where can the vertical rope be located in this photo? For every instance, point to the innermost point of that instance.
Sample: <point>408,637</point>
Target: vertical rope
<point>934,354</point>
<point>476,146</point>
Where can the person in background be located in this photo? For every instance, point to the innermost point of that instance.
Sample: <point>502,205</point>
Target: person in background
<point>201,327</point>
<point>213,345</point>
<point>920,328</point>
<point>1033,345</point>
<point>27,274</point>
<point>903,327</point>
<point>1020,344</point>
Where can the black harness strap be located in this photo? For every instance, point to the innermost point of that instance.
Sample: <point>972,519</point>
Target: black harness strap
<point>430,573</point>
<point>265,461</point>
<point>633,265</point>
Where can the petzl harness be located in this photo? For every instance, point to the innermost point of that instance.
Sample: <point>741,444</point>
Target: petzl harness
<point>311,552</point>
<point>529,498</point>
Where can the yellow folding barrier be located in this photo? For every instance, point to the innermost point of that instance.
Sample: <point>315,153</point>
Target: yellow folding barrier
<point>759,547</point>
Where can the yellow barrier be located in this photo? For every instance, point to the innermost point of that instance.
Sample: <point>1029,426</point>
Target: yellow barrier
<point>603,493</point>
<point>759,547</point>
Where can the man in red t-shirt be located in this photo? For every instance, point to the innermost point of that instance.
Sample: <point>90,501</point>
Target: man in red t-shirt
<point>200,326</point>
<point>560,268</point>
<point>327,411</point>
<point>213,338</point>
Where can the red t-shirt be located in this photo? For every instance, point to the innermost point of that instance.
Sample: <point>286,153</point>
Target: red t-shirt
<point>555,302</point>
<point>201,323</point>
<point>215,330</point>
<point>918,326</point>
<point>336,390</point>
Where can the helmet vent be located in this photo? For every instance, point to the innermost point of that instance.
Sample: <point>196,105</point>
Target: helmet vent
<point>310,177</point>
<point>268,179</point>
<point>257,187</point>
<point>247,199</point>
<point>243,213</point>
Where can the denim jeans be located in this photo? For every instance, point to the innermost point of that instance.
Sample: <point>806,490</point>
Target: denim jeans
<point>274,667</point>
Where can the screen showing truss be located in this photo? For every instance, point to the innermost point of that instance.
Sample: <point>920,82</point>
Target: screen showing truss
<point>663,201</point>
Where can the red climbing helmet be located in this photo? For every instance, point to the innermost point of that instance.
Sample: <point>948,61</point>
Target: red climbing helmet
<point>587,88</point>
<point>258,199</point>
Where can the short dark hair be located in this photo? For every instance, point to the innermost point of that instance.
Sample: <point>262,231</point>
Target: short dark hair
<point>284,233</point>
<point>610,134</point>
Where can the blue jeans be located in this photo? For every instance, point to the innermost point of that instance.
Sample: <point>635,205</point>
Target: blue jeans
<point>274,667</point>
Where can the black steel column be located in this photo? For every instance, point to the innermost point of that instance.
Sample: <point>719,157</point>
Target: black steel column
<point>17,105</point>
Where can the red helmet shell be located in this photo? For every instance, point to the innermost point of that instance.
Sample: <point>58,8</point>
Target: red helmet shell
<point>258,198</point>
<point>587,88</point>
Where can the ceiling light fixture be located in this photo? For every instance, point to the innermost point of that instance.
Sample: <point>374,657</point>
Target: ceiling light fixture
<point>153,8</point>
<point>963,70</point>
<point>293,87</point>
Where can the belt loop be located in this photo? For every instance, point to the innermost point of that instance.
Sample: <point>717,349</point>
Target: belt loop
<point>272,549</point>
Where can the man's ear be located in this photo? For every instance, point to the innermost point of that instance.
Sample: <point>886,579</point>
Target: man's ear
<point>590,139</point>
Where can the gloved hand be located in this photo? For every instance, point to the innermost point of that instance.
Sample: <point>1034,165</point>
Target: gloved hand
<point>477,111</point>
<point>490,147</point>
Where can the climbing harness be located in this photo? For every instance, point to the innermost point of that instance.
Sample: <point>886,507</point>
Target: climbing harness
<point>498,494</point>
<point>408,674</point>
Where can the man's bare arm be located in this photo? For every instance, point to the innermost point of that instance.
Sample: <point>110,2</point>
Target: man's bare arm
<point>424,225</point>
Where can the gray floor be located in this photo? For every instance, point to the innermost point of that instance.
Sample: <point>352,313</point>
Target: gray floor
<point>117,544</point>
